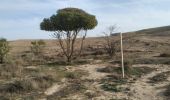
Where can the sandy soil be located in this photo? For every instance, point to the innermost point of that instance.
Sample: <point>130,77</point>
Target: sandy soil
<point>139,90</point>
<point>142,90</point>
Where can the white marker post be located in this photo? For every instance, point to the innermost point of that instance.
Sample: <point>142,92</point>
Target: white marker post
<point>121,44</point>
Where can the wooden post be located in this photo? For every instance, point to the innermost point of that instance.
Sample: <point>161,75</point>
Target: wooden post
<point>121,44</point>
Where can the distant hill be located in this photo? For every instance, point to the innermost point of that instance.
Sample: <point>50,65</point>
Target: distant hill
<point>159,31</point>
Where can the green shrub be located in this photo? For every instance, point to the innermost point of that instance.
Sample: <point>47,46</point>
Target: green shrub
<point>4,49</point>
<point>37,47</point>
<point>111,87</point>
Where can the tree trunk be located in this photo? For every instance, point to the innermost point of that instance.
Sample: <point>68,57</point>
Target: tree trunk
<point>69,60</point>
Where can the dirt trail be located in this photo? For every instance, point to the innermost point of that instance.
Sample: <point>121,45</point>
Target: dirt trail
<point>53,89</point>
<point>142,90</point>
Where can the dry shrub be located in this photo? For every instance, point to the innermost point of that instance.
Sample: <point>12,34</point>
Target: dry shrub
<point>27,85</point>
<point>91,94</point>
<point>76,74</point>
<point>71,89</point>
<point>17,86</point>
<point>107,69</point>
<point>164,55</point>
<point>167,91</point>
<point>10,70</point>
<point>44,81</point>
<point>160,77</point>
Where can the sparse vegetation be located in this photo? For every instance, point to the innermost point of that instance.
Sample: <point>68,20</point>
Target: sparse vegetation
<point>111,87</point>
<point>152,61</point>
<point>39,70</point>
<point>113,82</point>
<point>73,88</point>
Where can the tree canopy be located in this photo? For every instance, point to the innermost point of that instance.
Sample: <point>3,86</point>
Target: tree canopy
<point>69,19</point>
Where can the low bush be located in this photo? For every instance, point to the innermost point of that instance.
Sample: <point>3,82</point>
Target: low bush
<point>73,88</point>
<point>91,94</point>
<point>152,61</point>
<point>76,74</point>
<point>43,81</point>
<point>129,71</point>
<point>114,81</point>
<point>160,77</point>
<point>72,75</point>
<point>27,85</point>
<point>164,55</point>
<point>17,86</point>
<point>10,70</point>
<point>108,69</point>
<point>81,62</point>
<point>98,52</point>
<point>167,91</point>
<point>111,87</point>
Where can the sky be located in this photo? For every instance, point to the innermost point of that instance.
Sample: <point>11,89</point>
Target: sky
<point>20,19</point>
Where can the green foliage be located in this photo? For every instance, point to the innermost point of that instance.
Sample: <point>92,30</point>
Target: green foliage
<point>69,19</point>
<point>67,24</point>
<point>111,87</point>
<point>113,83</point>
<point>37,47</point>
<point>4,49</point>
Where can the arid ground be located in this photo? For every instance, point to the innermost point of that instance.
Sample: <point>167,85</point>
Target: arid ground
<point>93,75</point>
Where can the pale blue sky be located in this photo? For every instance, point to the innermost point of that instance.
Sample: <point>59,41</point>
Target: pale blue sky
<point>20,19</point>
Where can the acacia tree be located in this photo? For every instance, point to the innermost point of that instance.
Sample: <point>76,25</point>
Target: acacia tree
<point>66,25</point>
<point>4,49</point>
